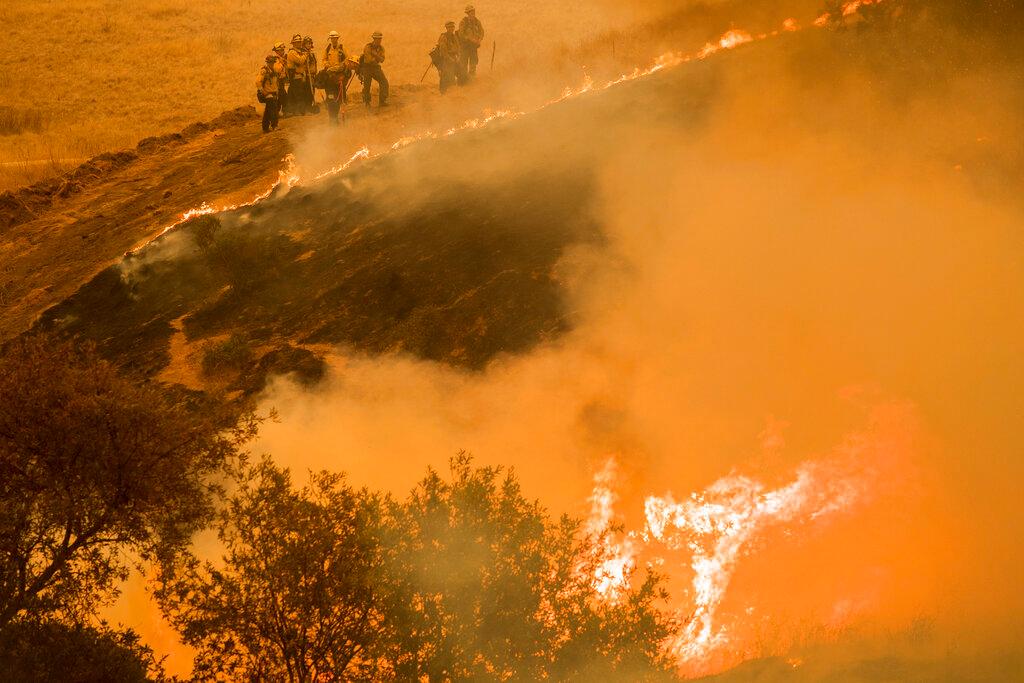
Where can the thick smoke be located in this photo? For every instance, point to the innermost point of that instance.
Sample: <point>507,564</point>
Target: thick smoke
<point>831,241</point>
<point>811,242</point>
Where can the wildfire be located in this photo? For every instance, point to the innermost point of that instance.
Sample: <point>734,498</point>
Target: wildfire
<point>616,559</point>
<point>848,9</point>
<point>718,525</point>
<point>709,532</point>
<point>289,176</point>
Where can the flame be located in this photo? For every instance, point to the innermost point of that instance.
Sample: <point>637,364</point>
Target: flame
<point>287,177</point>
<point>715,528</point>
<point>718,525</point>
<point>616,559</point>
<point>848,9</point>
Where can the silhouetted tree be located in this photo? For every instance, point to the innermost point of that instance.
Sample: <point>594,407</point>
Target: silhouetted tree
<point>94,468</point>
<point>43,652</point>
<point>484,586</point>
<point>464,580</point>
<point>294,596</point>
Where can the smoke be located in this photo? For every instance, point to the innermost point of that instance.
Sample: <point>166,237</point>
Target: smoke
<point>806,243</point>
<point>823,236</point>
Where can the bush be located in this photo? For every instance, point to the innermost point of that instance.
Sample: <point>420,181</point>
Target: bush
<point>230,355</point>
<point>42,652</point>
<point>464,580</point>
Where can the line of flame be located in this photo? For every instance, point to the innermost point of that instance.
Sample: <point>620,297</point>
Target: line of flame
<point>729,40</point>
<point>287,177</point>
<point>615,558</point>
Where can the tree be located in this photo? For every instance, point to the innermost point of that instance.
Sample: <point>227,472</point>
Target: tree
<point>94,469</point>
<point>41,652</point>
<point>484,586</point>
<point>294,596</point>
<point>466,579</point>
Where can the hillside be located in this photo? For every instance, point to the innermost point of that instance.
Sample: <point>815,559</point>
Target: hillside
<point>655,265</point>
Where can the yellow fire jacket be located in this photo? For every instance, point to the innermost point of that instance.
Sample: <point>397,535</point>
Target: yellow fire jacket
<point>296,64</point>
<point>471,30</point>
<point>448,44</point>
<point>373,54</point>
<point>334,57</point>
<point>268,81</point>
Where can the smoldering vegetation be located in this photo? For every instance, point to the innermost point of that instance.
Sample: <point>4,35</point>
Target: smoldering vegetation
<point>445,250</point>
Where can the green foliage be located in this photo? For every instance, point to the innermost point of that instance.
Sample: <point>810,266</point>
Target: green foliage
<point>93,468</point>
<point>231,354</point>
<point>294,597</point>
<point>42,652</point>
<point>465,579</point>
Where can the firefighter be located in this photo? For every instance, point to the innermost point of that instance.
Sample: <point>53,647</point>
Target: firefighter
<point>300,91</point>
<point>307,47</point>
<point>370,70</point>
<point>334,76</point>
<point>281,50</point>
<point>449,57</point>
<point>471,35</point>
<point>268,87</point>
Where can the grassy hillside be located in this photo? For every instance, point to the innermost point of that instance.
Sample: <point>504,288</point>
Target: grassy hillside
<point>95,75</point>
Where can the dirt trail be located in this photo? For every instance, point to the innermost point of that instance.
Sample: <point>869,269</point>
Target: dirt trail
<point>57,234</point>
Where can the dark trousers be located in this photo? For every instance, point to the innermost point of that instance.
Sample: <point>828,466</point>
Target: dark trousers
<point>300,97</point>
<point>469,59</point>
<point>335,93</point>
<point>371,73</point>
<point>449,76</point>
<point>451,73</point>
<point>271,110</point>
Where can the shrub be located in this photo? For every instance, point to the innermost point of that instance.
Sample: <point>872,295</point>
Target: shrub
<point>230,355</point>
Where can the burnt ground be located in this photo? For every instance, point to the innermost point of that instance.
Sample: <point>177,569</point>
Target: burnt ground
<point>445,250</point>
<point>58,233</point>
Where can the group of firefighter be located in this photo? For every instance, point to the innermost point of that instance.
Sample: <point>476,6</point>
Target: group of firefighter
<point>288,82</point>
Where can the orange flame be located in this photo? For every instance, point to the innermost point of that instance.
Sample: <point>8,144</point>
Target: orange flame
<point>718,524</point>
<point>287,177</point>
<point>716,528</point>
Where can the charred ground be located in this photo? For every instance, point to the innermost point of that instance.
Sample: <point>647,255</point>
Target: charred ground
<point>437,250</point>
<point>446,249</point>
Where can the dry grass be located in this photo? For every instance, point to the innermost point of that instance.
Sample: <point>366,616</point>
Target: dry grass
<point>114,72</point>
<point>16,121</point>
